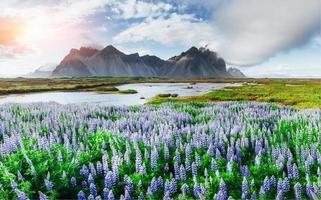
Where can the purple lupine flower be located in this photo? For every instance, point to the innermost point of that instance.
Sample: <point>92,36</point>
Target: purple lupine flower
<point>272,181</point>
<point>262,192</point>
<point>167,196</point>
<point>245,171</point>
<point>166,152</point>
<point>129,184</point>
<point>196,190</point>
<point>279,195</point>
<point>218,154</point>
<point>223,188</point>
<point>309,189</point>
<point>245,188</point>
<point>266,184</point>
<point>13,185</point>
<point>295,172</point>
<point>93,189</point>
<point>177,156</point>
<point>111,195</point>
<point>73,181</point>
<point>229,167</point>
<point>176,171</point>
<point>184,189</point>
<point>84,184</point>
<point>197,159</point>
<point>187,163</point>
<point>19,175</point>
<point>289,170</point>
<point>84,171</point>
<point>127,195</point>
<point>91,197</point>
<point>182,173</point>
<point>42,196</point>
<point>167,186</point>
<point>48,184</point>
<point>105,193</point>
<point>99,167</point>
<point>153,159</point>
<point>90,179</point>
<point>286,185</point>
<point>153,185</point>
<point>21,195</point>
<point>160,182</point>
<point>173,186</point>
<point>297,191</point>
<point>194,169</point>
<point>280,185</point>
<point>98,197</point>
<point>109,183</point>
<point>213,165</point>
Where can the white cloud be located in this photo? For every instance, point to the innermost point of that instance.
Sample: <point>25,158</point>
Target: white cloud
<point>182,29</point>
<point>244,32</point>
<point>256,30</point>
<point>129,9</point>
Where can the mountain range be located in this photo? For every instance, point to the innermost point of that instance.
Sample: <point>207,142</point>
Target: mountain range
<point>193,63</point>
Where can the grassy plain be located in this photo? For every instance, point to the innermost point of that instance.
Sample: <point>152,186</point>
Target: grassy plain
<point>297,93</point>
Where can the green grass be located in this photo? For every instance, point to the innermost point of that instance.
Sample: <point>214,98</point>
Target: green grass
<point>107,89</point>
<point>128,91</point>
<point>297,93</point>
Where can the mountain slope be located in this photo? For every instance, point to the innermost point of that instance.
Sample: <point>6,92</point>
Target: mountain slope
<point>197,63</point>
<point>111,62</point>
<point>236,73</point>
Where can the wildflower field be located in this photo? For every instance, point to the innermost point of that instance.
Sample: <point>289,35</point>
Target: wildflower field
<point>220,151</point>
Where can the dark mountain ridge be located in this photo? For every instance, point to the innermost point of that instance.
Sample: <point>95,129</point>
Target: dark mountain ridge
<point>193,63</point>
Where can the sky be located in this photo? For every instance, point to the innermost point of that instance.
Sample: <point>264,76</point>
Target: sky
<point>266,38</point>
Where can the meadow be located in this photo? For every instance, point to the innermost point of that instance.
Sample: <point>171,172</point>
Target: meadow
<point>228,150</point>
<point>296,93</point>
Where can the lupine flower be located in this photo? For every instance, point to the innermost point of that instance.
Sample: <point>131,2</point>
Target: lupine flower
<point>184,189</point>
<point>73,181</point>
<point>109,183</point>
<point>93,189</point>
<point>213,165</point>
<point>42,196</point>
<point>90,179</point>
<point>99,167</point>
<point>182,173</point>
<point>111,195</point>
<point>245,188</point>
<point>194,169</point>
<point>21,195</point>
<point>48,184</point>
<point>105,193</point>
<point>295,172</point>
<point>297,191</point>
<point>91,197</point>
<point>84,171</point>
<point>19,175</point>
<point>153,185</point>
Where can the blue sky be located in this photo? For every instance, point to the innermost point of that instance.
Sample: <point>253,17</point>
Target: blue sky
<point>267,38</point>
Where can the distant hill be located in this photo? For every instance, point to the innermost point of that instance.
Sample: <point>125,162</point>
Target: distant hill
<point>195,62</point>
<point>41,72</point>
<point>236,72</point>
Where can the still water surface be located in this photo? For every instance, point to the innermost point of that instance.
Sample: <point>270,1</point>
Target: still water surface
<point>146,90</point>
